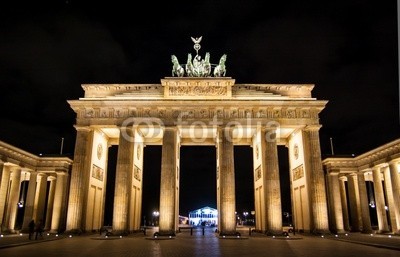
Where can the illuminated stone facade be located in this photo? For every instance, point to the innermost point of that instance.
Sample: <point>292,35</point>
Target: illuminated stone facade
<point>197,111</point>
<point>27,182</point>
<point>359,186</point>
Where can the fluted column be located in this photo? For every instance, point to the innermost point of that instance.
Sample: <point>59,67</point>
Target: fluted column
<point>335,202</point>
<point>1,171</point>
<point>226,182</point>
<point>50,203</point>
<point>316,183</point>
<point>390,198</point>
<point>123,179</point>
<point>364,207</point>
<point>167,218</point>
<point>40,198</point>
<point>343,198</point>
<point>354,198</point>
<point>59,199</point>
<point>79,178</point>
<point>395,178</point>
<point>11,214</point>
<point>380,200</point>
<point>5,179</point>
<point>271,181</point>
<point>30,201</point>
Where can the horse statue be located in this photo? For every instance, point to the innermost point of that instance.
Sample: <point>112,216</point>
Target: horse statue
<point>177,69</point>
<point>189,66</point>
<point>220,69</point>
<point>206,65</point>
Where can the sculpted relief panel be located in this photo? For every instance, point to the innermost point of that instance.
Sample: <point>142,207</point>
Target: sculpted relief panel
<point>198,113</point>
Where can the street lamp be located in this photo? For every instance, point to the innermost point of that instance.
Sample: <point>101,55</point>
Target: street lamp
<point>245,214</point>
<point>155,217</point>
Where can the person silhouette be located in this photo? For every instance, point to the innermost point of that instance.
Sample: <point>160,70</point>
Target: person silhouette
<point>31,228</point>
<point>39,230</point>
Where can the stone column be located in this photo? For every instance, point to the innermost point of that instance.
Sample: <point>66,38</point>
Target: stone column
<point>59,197</point>
<point>269,157</point>
<point>5,179</point>
<point>364,207</point>
<point>14,198</point>
<point>335,202</point>
<point>227,183</point>
<point>316,182</point>
<point>1,171</point>
<point>12,206</point>
<point>354,198</point>
<point>395,178</point>
<point>380,200</point>
<point>40,198</point>
<point>79,178</point>
<point>30,201</point>
<point>390,198</point>
<point>343,198</point>
<point>50,203</point>
<point>168,185</point>
<point>11,214</point>
<point>123,180</point>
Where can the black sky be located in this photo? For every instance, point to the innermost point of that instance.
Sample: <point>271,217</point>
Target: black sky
<point>348,49</point>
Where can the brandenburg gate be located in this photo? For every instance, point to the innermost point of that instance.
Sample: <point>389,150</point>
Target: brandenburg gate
<point>197,105</point>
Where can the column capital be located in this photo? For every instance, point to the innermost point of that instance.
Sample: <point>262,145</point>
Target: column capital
<point>83,128</point>
<point>352,175</point>
<point>379,167</point>
<point>315,127</point>
<point>333,172</point>
<point>51,178</point>
<point>394,161</point>
<point>170,128</point>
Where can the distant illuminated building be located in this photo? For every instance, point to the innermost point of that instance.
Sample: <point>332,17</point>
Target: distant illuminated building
<point>206,216</point>
<point>183,220</point>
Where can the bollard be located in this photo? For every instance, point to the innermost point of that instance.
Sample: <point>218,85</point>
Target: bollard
<point>191,231</point>
<point>203,231</point>
<point>249,231</point>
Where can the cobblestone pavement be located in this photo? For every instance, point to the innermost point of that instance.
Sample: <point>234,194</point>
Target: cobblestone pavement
<point>209,244</point>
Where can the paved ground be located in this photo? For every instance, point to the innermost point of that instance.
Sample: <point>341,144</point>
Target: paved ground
<point>209,244</point>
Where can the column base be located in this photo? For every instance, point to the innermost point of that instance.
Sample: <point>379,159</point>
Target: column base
<point>74,231</point>
<point>319,232</point>
<point>229,233</point>
<point>164,234</point>
<point>275,233</point>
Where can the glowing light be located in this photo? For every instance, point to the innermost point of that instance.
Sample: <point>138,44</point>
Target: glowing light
<point>346,234</point>
<point>336,235</point>
<point>322,236</point>
<point>70,235</point>
<point>371,234</point>
<point>20,234</point>
<point>389,235</point>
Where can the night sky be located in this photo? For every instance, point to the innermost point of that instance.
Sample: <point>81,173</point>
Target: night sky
<point>348,49</point>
